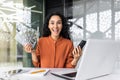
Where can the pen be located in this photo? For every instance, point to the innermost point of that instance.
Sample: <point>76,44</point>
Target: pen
<point>37,71</point>
<point>46,72</point>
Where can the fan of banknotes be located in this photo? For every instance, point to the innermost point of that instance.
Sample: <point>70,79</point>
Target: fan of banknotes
<point>27,35</point>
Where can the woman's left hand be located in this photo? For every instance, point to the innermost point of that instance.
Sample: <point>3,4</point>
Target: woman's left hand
<point>77,53</point>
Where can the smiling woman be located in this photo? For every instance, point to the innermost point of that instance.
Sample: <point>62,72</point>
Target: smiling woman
<point>55,26</point>
<point>54,49</point>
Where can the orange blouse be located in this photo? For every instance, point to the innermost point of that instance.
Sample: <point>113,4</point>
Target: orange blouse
<point>54,54</point>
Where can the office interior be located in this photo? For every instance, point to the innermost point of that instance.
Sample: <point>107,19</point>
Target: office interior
<point>89,19</point>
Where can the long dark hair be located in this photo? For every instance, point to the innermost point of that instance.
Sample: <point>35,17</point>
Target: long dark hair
<point>65,29</point>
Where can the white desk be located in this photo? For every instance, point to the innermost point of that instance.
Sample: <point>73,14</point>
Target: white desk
<point>49,76</point>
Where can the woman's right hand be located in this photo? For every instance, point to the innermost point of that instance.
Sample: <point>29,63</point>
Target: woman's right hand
<point>28,48</point>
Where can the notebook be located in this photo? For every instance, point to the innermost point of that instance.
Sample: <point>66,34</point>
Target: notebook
<point>97,60</point>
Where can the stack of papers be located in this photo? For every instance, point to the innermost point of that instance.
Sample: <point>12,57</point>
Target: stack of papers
<point>7,73</point>
<point>23,73</point>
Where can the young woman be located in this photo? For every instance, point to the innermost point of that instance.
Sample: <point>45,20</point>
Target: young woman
<point>54,49</point>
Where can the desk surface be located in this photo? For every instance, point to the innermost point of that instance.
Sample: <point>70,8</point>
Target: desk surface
<point>49,76</point>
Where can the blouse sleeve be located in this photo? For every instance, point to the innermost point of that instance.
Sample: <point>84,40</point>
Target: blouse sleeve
<point>37,64</point>
<point>70,58</point>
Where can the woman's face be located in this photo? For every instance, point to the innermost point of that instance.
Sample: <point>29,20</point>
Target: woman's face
<point>55,25</point>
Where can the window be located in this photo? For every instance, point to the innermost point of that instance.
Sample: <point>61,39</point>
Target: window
<point>99,19</point>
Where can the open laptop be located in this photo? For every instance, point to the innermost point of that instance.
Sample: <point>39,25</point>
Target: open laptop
<point>98,59</point>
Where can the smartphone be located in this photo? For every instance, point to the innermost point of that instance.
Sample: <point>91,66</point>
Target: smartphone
<point>82,43</point>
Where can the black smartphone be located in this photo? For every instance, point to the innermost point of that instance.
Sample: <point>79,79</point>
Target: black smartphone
<point>82,43</point>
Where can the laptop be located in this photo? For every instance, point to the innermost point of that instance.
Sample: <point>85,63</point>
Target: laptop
<point>97,60</point>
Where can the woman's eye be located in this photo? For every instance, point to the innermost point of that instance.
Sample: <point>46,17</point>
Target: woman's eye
<point>52,23</point>
<point>59,22</point>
